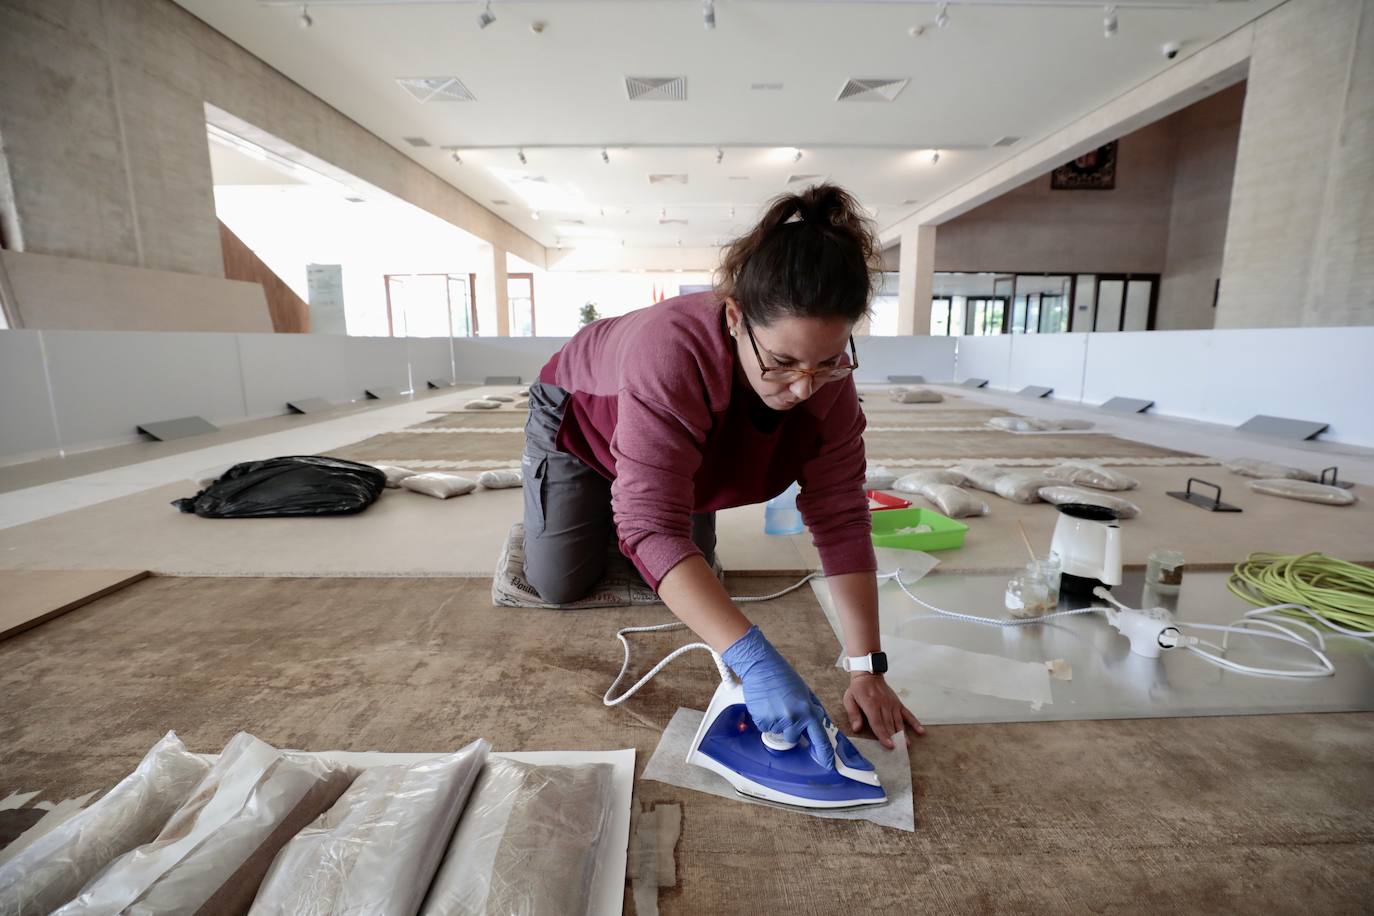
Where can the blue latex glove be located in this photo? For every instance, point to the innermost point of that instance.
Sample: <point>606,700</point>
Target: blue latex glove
<point>778,699</point>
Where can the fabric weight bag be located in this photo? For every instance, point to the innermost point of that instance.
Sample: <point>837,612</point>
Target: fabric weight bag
<point>1061,495</point>
<point>504,479</point>
<point>1267,470</point>
<point>1087,474</point>
<point>439,485</point>
<point>50,872</point>
<point>954,502</point>
<point>917,481</point>
<point>291,486</point>
<point>1305,490</point>
<point>1022,486</point>
<point>528,842</point>
<point>376,850</point>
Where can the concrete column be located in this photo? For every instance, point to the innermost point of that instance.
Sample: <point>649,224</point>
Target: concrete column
<point>915,279</point>
<point>491,288</point>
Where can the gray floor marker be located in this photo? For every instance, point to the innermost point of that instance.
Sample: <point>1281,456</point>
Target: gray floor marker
<point>1035,391</point>
<point>501,380</point>
<point>377,394</point>
<point>439,383</point>
<point>309,405</point>
<point>907,379</point>
<point>1282,427</point>
<point>1127,405</point>
<point>974,383</point>
<point>180,428</point>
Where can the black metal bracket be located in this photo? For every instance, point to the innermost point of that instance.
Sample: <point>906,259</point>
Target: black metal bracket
<point>1197,499</point>
<point>1333,482</point>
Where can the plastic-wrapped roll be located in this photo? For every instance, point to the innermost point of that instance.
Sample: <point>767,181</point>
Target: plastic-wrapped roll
<point>54,868</point>
<point>955,502</point>
<point>1267,470</point>
<point>1087,474</point>
<point>376,850</point>
<point>500,480</point>
<point>528,842</point>
<point>917,481</point>
<point>1305,490</point>
<point>1021,486</point>
<point>439,485</point>
<point>982,475</point>
<point>1061,495</point>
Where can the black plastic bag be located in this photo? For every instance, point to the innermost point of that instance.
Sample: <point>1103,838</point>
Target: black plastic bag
<point>298,485</point>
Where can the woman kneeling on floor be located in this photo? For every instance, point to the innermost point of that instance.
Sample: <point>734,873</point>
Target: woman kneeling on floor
<point>650,422</point>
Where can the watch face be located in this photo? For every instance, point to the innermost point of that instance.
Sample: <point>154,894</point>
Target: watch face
<point>879,662</point>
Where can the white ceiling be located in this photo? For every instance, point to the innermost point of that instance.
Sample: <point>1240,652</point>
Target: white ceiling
<point>997,70</point>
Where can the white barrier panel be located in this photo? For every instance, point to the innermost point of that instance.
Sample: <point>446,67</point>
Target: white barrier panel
<point>26,421</point>
<point>984,357</point>
<point>479,357</point>
<point>375,362</point>
<point>430,357</point>
<point>880,357</point>
<point>1053,360</point>
<point>277,368</point>
<point>105,383</point>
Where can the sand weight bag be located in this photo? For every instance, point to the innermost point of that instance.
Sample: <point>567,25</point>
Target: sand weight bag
<point>292,486</point>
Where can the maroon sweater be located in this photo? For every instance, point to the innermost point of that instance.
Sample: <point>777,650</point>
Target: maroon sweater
<point>660,408</point>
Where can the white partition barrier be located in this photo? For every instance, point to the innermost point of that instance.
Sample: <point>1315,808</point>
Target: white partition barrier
<point>430,357</point>
<point>26,419</point>
<point>277,368</point>
<point>105,383</point>
<point>984,357</point>
<point>480,357</point>
<point>879,357</point>
<point>1052,360</point>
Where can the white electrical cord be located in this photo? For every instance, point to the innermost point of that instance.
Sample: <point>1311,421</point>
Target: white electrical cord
<point>725,674</point>
<point>993,621</point>
<point>1257,617</point>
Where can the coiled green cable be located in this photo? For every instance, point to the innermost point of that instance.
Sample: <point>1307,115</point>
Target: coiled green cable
<point>1339,592</point>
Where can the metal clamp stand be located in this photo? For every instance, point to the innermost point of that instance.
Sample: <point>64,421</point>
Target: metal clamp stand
<point>1333,482</point>
<point>1197,499</point>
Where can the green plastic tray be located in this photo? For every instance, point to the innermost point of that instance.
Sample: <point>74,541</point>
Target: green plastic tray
<point>945,533</point>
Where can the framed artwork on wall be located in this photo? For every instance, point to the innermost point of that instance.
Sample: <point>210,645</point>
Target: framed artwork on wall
<point>1093,171</point>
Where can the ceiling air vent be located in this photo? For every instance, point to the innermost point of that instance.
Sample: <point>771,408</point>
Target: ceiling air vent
<point>739,177</point>
<point>798,179</point>
<point>436,89</point>
<point>910,202</point>
<point>668,179</point>
<point>872,90</point>
<point>656,88</point>
<point>1006,141</point>
<point>498,202</point>
<point>766,87</point>
<point>416,141</point>
<point>672,222</point>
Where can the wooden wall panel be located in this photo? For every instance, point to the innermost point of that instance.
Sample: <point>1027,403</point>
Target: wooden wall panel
<point>290,313</point>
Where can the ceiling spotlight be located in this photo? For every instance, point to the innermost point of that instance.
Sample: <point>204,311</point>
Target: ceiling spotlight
<point>534,214</point>
<point>720,154</point>
<point>605,156</point>
<point>942,16</point>
<point>520,154</point>
<point>305,21</point>
<point>708,14</point>
<point>486,17</point>
<point>1109,22</point>
<point>934,156</point>
<point>457,158</point>
<point>796,155</point>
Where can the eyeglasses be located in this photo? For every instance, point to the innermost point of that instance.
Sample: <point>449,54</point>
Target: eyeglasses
<point>784,375</point>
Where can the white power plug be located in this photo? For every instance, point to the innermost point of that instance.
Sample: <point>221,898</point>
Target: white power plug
<point>1150,630</point>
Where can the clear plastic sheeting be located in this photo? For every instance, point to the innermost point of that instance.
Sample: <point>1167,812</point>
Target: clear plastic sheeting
<point>500,480</point>
<point>955,502</point>
<point>527,843</point>
<point>1062,495</point>
<point>1305,490</point>
<point>1021,486</point>
<point>211,855</point>
<point>1039,425</point>
<point>1087,474</point>
<point>377,849</point>
<point>877,477</point>
<point>439,485</point>
<point>982,475</point>
<point>53,870</point>
<point>394,475</point>
<point>917,481</point>
<point>1267,470</point>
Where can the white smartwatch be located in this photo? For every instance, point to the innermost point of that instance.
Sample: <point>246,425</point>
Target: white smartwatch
<point>874,663</point>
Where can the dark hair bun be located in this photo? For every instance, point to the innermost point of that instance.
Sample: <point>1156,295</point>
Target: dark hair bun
<point>813,254</point>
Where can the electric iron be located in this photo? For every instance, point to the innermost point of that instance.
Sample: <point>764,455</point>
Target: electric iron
<point>766,766</point>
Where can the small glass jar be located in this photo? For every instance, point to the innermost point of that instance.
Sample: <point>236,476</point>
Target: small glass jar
<point>1028,595</point>
<point>1164,571</point>
<point>1048,569</point>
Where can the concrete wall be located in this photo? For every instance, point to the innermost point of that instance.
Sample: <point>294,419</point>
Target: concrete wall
<point>102,120</point>
<point>1035,229</point>
<point>1204,167</point>
<point>1300,244</point>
